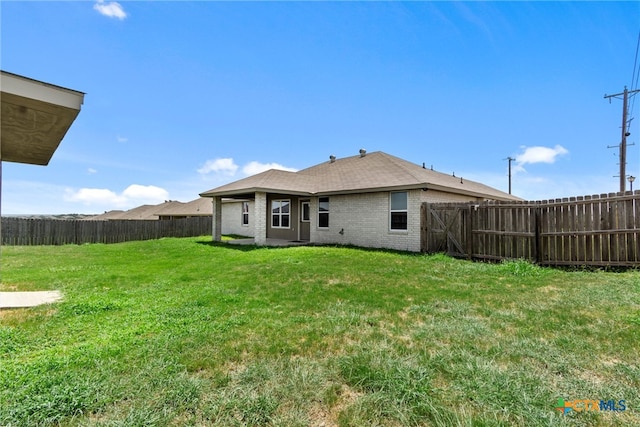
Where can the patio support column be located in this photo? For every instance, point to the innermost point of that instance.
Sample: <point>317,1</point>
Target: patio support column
<point>216,229</point>
<point>260,218</point>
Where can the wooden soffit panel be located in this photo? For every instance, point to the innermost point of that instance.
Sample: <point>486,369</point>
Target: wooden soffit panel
<point>35,118</point>
<point>32,129</point>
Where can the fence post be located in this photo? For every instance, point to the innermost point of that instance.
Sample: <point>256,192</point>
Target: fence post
<point>469,231</point>
<point>537,239</point>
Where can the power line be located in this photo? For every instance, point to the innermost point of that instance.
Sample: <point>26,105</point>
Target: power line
<point>625,134</point>
<point>634,79</point>
<point>627,95</point>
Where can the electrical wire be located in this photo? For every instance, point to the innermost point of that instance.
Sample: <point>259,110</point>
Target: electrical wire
<point>634,83</point>
<point>634,80</point>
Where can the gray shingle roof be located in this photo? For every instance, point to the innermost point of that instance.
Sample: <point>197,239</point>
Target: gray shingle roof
<point>141,212</point>
<point>376,171</point>
<point>198,207</point>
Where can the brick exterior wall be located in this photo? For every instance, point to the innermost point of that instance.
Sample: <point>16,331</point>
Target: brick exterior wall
<point>364,220</point>
<point>260,218</point>
<point>433,196</point>
<point>232,219</point>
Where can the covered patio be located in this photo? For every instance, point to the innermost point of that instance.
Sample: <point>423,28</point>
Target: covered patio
<point>35,118</point>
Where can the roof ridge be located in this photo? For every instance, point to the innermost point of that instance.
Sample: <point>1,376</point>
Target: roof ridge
<point>404,164</point>
<point>375,171</point>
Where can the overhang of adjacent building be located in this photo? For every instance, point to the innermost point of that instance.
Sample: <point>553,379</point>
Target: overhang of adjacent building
<point>35,118</point>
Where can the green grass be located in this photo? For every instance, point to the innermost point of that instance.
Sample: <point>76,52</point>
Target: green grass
<point>185,332</point>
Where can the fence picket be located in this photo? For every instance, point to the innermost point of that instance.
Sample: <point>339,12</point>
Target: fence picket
<point>23,231</point>
<point>594,230</point>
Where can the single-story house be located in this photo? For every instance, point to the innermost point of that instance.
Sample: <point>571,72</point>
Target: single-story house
<point>368,200</point>
<point>178,210</point>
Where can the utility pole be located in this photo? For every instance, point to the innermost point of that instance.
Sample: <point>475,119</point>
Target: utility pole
<point>625,134</point>
<point>510,159</point>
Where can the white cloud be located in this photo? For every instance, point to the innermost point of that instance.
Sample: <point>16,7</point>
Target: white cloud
<point>224,166</point>
<point>121,139</point>
<point>146,193</point>
<point>254,167</point>
<point>132,196</point>
<point>91,171</point>
<point>90,196</point>
<point>540,154</point>
<point>110,9</point>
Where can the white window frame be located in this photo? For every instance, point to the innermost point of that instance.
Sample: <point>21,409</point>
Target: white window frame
<point>396,211</point>
<point>244,214</point>
<point>280,214</point>
<point>327,212</point>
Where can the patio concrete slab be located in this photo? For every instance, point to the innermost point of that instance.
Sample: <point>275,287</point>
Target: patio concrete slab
<point>269,242</point>
<point>28,299</point>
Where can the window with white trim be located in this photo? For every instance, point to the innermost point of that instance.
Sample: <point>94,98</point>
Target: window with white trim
<point>245,214</point>
<point>280,213</point>
<point>398,210</point>
<point>323,212</point>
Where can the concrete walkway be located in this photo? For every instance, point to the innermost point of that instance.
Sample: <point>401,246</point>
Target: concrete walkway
<point>28,299</point>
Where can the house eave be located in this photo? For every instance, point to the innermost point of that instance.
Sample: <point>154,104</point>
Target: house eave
<point>419,186</point>
<point>370,190</point>
<point>35,118</point>
<point>249,193</point>
<point>486,196</point>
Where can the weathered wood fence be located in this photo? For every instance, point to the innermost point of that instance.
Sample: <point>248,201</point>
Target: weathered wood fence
<point>22,231</point>
<point>599,230</point>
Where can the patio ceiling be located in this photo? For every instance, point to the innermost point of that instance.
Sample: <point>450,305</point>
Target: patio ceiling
<point>35,118</point>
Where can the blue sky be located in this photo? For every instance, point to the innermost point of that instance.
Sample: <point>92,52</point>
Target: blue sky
<point>184,96</point>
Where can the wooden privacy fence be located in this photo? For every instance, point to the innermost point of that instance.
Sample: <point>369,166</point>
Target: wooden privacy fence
<point>22,231</point>
<point>599,230</point>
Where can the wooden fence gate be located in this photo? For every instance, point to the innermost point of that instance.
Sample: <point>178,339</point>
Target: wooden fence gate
<point>592,230</point>
<point>444,228</point>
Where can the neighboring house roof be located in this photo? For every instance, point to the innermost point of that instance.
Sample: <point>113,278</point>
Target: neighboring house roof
<point>364,173</point>
<point>141,212</point>
<point>105,216</point>
<point>198,207</point>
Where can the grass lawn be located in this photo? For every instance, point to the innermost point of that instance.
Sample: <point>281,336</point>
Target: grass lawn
<point>184,332</point>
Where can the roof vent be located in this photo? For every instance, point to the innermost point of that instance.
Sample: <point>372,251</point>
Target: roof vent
<point>363,152</point>
<point>332,158</point>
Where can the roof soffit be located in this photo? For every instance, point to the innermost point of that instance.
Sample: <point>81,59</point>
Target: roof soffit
<point>35,118</point>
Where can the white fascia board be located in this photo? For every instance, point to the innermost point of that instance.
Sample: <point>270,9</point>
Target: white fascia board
<point>40,91</point>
